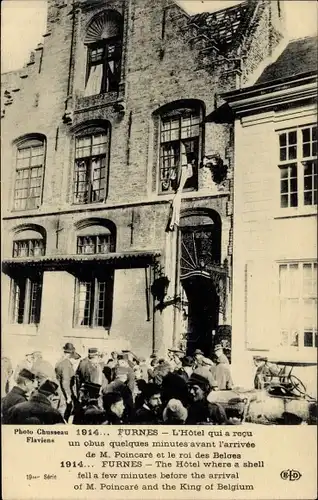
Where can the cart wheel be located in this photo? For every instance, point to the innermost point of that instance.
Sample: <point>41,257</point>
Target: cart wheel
<point>297,385</point>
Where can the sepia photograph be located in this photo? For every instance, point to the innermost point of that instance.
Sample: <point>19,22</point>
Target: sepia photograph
<point>159,212</point>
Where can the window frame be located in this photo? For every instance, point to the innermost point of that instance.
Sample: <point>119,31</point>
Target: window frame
<point>104,44</point>
<point>97,243</point>
<point>300,329</point>
<point>27,281</point>
<point>30,242</point>
<point>297,162</point>
<point>94,278</point>
<point>90,132</point>
<point>29,142</point>
<point>180,111</point>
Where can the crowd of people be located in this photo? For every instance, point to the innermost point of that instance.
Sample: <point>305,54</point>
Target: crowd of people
<point>116,389</point>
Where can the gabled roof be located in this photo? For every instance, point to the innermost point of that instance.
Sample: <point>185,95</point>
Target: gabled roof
<point>221,26</point>
<point>299,57</point>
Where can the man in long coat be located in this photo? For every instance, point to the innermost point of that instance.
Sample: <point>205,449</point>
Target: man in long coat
<point>65,375</point>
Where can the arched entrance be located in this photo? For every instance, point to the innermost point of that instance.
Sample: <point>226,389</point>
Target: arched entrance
<point>201,277</point>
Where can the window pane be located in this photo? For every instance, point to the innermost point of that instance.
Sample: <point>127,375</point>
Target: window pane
<point>294,200</point>
<point>292,152</point>
<point>282,140</point>
<point>283,154</point>
<point>292,137</point>
<point>81,182</point>
<point>35,301</point>
<point>19,290</point>
<point>306,150</point>
<point>85,299</point>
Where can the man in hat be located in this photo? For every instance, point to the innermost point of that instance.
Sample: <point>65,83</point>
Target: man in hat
<point>88,411</point>
<point>150,412</point>
<point>65,376</point>
<point>38,407</point>
<point>120,385</point>
<point>90,369</point>
<point>19,393</point>
<point>207,369</point>
<point>200,410</point>
<point>114,408</point>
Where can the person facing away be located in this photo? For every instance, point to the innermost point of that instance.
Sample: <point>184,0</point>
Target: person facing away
<point>222,370</point>
<point>90,369</point>
<point>175,413</point>
<point>65,375</point>
<point>25,383</point>
<point>38,407</point>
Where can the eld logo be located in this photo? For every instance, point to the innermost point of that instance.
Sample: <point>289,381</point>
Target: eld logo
<point>291,475</point>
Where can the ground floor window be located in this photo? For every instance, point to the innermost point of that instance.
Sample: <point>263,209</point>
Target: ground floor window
<point>298,304</point>
<point>94,300</point>
<point>26,299</point>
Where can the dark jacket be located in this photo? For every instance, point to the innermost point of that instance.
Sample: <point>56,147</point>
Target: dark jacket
<point>146,415</point>
<point>112,419</point>
<point>89,372</point>
<point>174,387</point>
<point>202,412</point>
<point>14,397</point>
<point>65,375</point>
<point>38,407</point>
<point>90,414</point>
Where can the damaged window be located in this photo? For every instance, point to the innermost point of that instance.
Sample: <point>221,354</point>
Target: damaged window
<point>180,139</point>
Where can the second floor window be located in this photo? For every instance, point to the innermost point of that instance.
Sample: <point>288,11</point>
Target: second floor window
<point>298,167</point>
<point>29,175</point>
<point>91,156</point>
<point>94,300</point>
<point>28,248</point>
<point>179,147</point>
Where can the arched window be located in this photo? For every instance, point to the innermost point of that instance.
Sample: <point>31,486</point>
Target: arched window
<point>30,160</point>
<point>104,48</point>
<point>93,304</point>
<point>180,145</point>
<point>29,241</point>
<point>91,164</point>
<point>96,238</point>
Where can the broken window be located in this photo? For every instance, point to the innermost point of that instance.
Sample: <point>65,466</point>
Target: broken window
<point>180,143</point>
<point>104,49</point>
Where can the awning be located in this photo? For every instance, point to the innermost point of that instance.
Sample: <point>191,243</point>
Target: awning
<point>116,259</point>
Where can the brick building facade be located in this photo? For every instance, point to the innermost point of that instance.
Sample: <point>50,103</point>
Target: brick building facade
<point>96,128</point>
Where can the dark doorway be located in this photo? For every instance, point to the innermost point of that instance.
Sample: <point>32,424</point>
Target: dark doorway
<point>203,313</point>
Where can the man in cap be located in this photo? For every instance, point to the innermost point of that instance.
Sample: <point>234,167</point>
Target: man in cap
<point>222,370</point>
<point>38,407</point>
<point>200,410</point>
<point>150,412</point>
<point>90,369</point>
<point>65,376</point>
<point>19,393</point>
<point>114,408</point>
<point>88,411</point>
